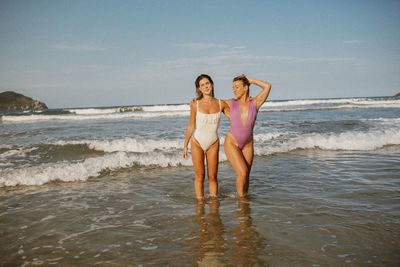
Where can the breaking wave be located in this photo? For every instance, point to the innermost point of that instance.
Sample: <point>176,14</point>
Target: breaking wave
<point>81,171</point>
<point>107,116</point>
<point>348,141</point>
<point>126,145</point>
<point>132,153</point>
<point>156,111</point>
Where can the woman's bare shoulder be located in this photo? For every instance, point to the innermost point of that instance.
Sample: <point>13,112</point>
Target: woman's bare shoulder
<point>193,105</point>
<point>193,101</point>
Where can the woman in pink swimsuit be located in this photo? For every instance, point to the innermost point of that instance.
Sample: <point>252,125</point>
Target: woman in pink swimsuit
<point>238,144</point>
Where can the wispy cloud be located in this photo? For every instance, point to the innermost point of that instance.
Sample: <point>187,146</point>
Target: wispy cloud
<point>352,42</point>
<point>233,50</point>
<point>230,59</point>
<point>223,65</point>
<point>198,46</point>
<point>78,47</point>
<point>238,47</point>
<point>308,59</point>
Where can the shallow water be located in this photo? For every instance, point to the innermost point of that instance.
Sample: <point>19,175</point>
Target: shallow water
<point>325,191</point>
<point>304,209</point>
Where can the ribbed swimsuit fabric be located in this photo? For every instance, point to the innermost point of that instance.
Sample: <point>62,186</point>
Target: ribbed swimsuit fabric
<point>206,132</point>
<point>240,132</point>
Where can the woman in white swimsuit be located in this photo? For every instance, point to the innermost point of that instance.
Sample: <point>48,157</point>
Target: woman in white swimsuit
<point>205,114</point>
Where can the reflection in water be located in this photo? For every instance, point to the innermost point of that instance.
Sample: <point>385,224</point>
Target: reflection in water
<point>210,243</point>
<point>213,246</point>
<point>247,244</point>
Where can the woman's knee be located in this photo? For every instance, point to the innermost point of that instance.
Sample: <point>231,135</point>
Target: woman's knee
<point>242,172</point>
<point>213,178</point>
<point>199,175</point>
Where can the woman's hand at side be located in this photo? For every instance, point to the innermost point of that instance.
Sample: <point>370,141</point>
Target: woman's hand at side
<point>184,153</point>
<point>190,128</point>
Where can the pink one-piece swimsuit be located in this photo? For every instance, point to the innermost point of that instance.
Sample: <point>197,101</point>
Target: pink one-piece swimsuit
<point>242,133</point>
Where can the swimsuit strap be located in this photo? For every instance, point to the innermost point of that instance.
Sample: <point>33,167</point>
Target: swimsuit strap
<point>254,104</point>
<point>233,103</point>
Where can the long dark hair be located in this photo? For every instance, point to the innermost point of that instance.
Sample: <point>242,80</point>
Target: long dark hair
<point>197,83</point>
<point>244,80</point>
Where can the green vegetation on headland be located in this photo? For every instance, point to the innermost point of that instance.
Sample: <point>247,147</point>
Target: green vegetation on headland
<point>11,101</point>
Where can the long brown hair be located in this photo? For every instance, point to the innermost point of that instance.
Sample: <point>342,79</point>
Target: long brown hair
<point>244,80</point>
<point>197,83</point>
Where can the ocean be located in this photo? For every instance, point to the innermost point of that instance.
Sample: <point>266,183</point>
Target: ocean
<point>108,186</point>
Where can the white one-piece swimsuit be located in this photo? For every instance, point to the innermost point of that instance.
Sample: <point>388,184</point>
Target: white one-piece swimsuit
<point>206,132</point>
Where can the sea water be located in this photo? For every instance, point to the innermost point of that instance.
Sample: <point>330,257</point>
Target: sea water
<point>108,185</point>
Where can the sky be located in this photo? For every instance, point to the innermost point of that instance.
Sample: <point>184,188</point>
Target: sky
<point>112,53</point>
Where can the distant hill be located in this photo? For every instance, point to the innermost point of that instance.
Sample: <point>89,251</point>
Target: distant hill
<point>397,95</point>
<point>13,101</point>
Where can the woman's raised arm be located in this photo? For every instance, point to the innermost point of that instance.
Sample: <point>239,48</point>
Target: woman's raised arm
<point>263,95</point>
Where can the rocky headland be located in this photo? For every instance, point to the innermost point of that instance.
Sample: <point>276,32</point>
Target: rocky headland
<point>11,101</point>
<point>397,95</point>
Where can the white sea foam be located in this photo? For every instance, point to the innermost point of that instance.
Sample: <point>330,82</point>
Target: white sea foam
<point>143,112</point>
<point>345,103</point>
<point>155,108</point>
<point>124,153</point>
<point>17,152</point>
<point>357,101</point>
<point>361,141</point>
<point>126,145</point>
<point>113,116</point>
<point>92,111</point>
<point>12,153</point>
<point>81,171</point>
<point>305,102</point>
<point>120,155</point>
<point>339,103</point>
<point>386,121</point>
<point>370,105</point>
<point>264,137</point>
<point>184,107</point>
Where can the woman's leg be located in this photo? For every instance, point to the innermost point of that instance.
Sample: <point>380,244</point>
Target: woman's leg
<point>199,169</point>
<point>212,167</point>
<point>238,162</point>
<point>248,154</point>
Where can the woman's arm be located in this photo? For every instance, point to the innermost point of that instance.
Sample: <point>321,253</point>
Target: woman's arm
<point>262,96</point>
<point>226,108</point>
<point>190,128</point>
